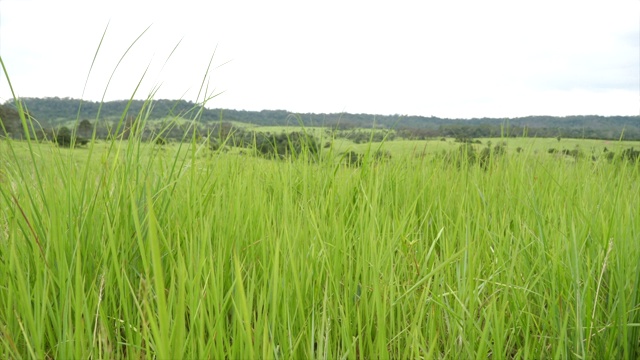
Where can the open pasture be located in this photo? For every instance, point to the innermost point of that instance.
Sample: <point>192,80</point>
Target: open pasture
<point>511,145</point>
<point>399,146</point>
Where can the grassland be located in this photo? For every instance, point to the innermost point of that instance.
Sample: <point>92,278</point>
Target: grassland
<point>127,249</point>
<point>401,146</point>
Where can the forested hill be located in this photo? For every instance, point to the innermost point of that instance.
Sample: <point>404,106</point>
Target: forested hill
<point>52,111</point>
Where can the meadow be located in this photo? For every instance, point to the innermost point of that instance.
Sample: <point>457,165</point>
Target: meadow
<point>127,249</point>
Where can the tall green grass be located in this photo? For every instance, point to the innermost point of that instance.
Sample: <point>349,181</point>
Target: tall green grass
<point>124,250</point>
<point>128,249</point>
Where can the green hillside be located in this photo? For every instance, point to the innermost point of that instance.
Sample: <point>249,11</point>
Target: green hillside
<point>55,112</point>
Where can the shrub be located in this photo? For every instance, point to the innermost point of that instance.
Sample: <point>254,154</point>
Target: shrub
<point>466,140</point>
<point>352,159</point>
<point>487,153</point>
<point>464,155</point>
<point>610,155</point>
<point>283,145</point>
<point>66,138</point>
<point>630,155</point>
<point>382,155</point>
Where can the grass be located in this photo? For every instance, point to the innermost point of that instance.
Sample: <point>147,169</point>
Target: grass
<point>124,250</point>
<point>135,250</point>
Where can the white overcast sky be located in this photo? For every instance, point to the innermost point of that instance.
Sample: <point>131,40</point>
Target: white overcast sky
<point>455,59</point>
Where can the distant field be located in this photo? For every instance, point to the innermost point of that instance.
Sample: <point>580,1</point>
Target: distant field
<point>125,249</point>
<point>527,144</point>
<point>401,146</point>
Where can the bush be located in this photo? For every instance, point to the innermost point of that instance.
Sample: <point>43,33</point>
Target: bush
<point>467,140</point>
<point>575,153</point>
<point>66,138</point>
<point>610,155</point>
<point>382,155</point>
<point>352,159</point>
<point>464,155</point>
<point>283,145</point>
<point>487,153</point>
<point>630,155</point>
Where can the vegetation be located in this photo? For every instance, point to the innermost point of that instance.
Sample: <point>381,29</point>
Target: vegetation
<point>123,251</point>
<point>66,138</point>
<point>165,238</point>
<point>282,145</point>
<point>55,112</point>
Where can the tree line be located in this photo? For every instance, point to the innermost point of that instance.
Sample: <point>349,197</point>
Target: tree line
<point>51,113</point>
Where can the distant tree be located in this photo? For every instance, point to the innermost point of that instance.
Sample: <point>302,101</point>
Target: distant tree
<point>9,119</point>
<point>576,153</point>
<point>466,140</point>
<point>631,155</point>
<point>282,145</point>
<point>414,127</point>
<point>161,141</point>
<point>610,155</point>
<point>63,137</point>
<point>382,155</point>
<point>465,155</point>
<point>85,129</point>
<point>11,122</point>
<point>485,156</point>
<point>352,158</point>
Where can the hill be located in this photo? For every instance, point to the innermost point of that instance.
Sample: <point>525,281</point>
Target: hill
<point>52,112</point>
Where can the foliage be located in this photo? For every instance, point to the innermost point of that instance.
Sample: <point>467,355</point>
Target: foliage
<point>9,120</point>
<point>123,251</point>
<point>66,138</point>
<point>575,153</point>
<point>85,129</point>
<point>50,111</point>
<point>467,140</point>
<point>362,136</point>
<point>631,155</point>
<point>382,155</point>
<point>235,257</point>
<point>352,159</point>
<point>283,145</point>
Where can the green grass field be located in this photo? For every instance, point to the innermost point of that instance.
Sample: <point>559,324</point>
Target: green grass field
<point>403,147</point>
<point>133,250</point>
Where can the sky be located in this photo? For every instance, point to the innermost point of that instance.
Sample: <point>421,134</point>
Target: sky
<point>450,59</point>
